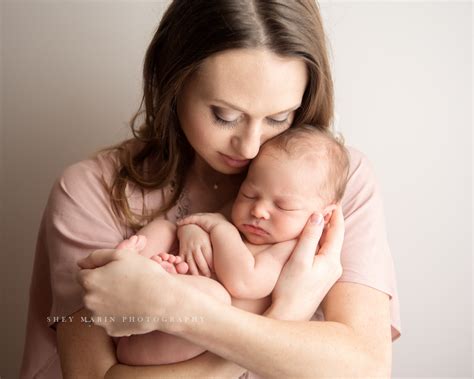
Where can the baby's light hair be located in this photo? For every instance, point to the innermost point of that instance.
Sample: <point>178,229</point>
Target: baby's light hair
<point>323,150</point>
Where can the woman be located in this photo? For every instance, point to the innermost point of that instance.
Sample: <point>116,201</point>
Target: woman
<point>220,79</point>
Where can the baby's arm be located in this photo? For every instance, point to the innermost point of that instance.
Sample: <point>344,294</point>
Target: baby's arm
<point>242,274</point>
<point>251,277</point>
<point>160,236</point>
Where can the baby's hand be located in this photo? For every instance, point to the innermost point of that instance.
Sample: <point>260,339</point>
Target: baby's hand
<point>206,221</point>
<point>195,249</point>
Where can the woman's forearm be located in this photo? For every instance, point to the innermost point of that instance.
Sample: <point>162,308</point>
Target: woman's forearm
<point>205,365</point>
<point>275,349</point>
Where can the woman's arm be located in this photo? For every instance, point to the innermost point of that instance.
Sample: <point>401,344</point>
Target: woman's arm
<point>86,351</point>
<point>342,346</point>
<point>354,341</point>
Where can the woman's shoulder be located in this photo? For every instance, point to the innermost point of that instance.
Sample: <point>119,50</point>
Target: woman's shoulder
<point>359,163</point>
<point>88,182</point>
<point>362,185</point>
<point>101,164</point>
<point>89,176</point>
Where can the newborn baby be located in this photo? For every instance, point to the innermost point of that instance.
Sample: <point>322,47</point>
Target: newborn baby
<point>298,173</point>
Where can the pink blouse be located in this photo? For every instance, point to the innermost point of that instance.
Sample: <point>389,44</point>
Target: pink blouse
<point>78,219</point>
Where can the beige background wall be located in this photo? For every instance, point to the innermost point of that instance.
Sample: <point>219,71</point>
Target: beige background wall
<point>71,79</point>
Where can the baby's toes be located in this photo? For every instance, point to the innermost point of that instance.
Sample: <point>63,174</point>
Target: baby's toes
<point>164,256</point>
<point>182,268</point>
<point>156,258</point>
<point>168,267</point>
<point>172,258</point>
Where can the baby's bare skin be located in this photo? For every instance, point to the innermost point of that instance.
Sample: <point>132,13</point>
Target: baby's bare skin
<point>157,347</point>
<point>171,263</point>
<point>161,348</point>
<point>248,254</point>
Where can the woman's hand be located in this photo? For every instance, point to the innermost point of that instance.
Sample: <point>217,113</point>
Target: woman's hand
<point>307,277</point>
<point>126,286</point>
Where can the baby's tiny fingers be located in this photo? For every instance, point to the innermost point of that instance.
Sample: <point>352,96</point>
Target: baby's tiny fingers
<point>207,253</point>
<point>192,266</point>
<point>201,263</point>
<point>186,220</point>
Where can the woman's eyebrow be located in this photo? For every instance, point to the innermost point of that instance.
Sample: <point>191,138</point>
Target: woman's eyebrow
<point>237,108</point>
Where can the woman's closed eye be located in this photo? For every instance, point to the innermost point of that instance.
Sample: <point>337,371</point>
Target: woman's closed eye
<point>226,119</point>
<point>279,120</point>
<point>230,119</point>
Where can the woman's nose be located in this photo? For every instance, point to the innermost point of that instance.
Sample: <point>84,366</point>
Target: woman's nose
<point>247,143</point>
<point>260,211</point>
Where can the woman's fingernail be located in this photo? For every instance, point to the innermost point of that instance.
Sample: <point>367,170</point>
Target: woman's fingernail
<point>316,218</point>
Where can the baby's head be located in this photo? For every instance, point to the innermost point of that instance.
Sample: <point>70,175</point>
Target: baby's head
<point>299,172</point>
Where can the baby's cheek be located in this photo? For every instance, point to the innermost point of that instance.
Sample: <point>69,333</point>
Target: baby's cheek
<point>291,227</point>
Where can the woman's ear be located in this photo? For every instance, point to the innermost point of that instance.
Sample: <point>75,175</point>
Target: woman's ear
<point>327,212</point>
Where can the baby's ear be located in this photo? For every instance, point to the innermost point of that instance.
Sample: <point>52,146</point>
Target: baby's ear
<point>327,212</point>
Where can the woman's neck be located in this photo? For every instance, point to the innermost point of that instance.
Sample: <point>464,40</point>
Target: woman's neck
<point>204,176</point>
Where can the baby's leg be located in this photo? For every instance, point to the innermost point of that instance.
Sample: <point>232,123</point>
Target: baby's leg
<point>155,249</point>
<point>160,348</point>
<point>160,237</point>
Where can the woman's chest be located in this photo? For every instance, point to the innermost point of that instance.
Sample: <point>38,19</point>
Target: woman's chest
<point>195,200</point>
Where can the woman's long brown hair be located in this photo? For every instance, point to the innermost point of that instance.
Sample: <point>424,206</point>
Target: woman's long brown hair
<point>189,32</point>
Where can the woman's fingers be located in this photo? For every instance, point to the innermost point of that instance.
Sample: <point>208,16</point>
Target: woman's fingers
<point>308,241</point>
<point>97,258</point>
<point>331,243</point>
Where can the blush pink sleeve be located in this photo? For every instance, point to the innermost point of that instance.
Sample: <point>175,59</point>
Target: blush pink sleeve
<point>77,220</point>
<point>366,257</point>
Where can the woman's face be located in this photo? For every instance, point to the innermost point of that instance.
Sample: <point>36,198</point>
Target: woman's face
<point>237,100</point>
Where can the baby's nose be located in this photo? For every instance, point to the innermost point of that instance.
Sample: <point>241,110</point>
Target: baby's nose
<point>259,211</point>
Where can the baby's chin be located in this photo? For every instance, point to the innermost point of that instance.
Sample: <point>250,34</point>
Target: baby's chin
<point>259,240</point>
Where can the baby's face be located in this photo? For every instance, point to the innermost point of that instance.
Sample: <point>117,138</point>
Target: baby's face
<point>276,199</point>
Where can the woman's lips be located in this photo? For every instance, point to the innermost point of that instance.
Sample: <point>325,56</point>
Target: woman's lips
<point>255,230</point>
<point>233,162</point>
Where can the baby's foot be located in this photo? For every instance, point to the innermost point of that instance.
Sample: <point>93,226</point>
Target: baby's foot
<point>133,243</point>
<point>171,263</point>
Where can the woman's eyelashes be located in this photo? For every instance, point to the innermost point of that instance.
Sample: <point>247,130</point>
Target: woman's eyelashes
<point>230,121</point>
<point>220,120</point>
